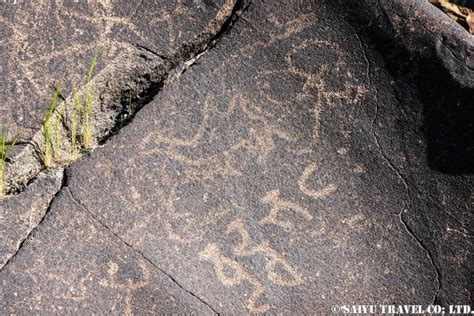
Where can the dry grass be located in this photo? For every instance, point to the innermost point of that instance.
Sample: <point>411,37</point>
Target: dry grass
<point>88,109</point>
<point>48,129</point>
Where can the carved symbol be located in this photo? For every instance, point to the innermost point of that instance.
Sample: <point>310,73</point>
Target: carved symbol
<point>317,194</point>
<point>274,258</point>
<point>278,204</point>
<point>224,265</point>
<point>129,286</point>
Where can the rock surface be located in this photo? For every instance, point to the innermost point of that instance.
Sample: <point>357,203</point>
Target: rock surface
<point>86,269</point>
<point>22,213</point>
<point>289,170</point>
<point>52,41</point>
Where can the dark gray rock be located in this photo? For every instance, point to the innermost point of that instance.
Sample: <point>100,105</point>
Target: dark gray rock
<point>279,159</point>
<point>424,27</point>
<point>130,80</point>
<point>294,167</point>
<point>43,44</point>
<point>419,27</point>
<point>75,265</point>
<point>20,214</point>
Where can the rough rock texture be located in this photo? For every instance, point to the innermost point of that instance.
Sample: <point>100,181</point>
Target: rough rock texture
<point>45,42</point>
<point>305,161</point>
<point>422,29</point>
<point>86,269</point>
<point>22,213</point>
<point>117,92</point>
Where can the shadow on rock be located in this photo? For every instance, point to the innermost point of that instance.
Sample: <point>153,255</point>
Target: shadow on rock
<point>448,120</point>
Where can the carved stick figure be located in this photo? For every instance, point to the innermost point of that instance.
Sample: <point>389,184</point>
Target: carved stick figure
<point>129,286</point>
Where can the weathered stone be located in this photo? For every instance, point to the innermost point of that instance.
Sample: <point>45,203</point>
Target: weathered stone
<point>52,41</point>
<point>115,94</point>
<point>20,214</point>
<point>419,27</point>
<point>276,170</point>
<point>85,269</point>
<point>289,170</point>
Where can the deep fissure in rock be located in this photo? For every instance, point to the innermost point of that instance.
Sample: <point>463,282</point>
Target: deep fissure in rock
<point>147,73</point>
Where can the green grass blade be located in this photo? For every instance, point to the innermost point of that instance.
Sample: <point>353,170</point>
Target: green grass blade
<point>57,134</point>
<point>87,113</point>
<point>47,135</point>
<point>91,68</point>
<point>77,100</point>
<point>10,147</point>
<point>2,144</point>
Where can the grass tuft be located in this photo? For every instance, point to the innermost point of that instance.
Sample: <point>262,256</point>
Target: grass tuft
<point>53,138</point>
<point>57,135</point>
<point>5,150</point>
<point>87,111</point>
<point>75,116</point>
<point>48,147</point>
<point>129,108</point>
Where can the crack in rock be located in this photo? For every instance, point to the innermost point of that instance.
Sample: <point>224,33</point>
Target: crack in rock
<point>408,203</point>
<point>82,206</point>
<point>64,184</point>
<point>137,71</point>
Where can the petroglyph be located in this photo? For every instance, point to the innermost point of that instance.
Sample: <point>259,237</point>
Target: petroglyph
<point>282,31</point>
<point>279,205</point>
<point>130,286</point>
<point>320,230</point>
<point>48,42</point>
<point>262,138</point>
<point>316,76</point>
<point>100,28</point>
<point>246,184</point>
<point>275,263</point>
<point>258,146</point>
<point>274,259</point>
<point>316,194</point>
<point>158,137</point>
<point>358,221</point>
<point>231,274</point>
<point>68,292</point>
